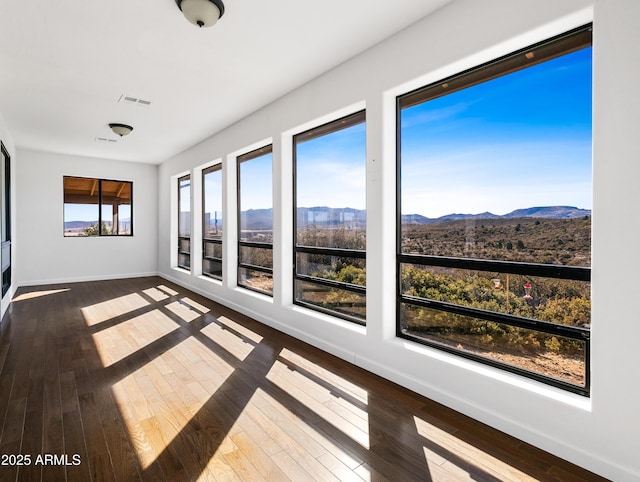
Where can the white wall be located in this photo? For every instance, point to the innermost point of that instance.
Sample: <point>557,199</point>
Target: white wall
<point>7,140</point>
<point>44,255</point>
<point>597,433</point>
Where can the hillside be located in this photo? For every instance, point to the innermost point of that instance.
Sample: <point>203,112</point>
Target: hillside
<point>565,241</point>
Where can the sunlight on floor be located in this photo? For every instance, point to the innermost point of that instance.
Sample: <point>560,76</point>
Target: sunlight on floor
<point>182,311</point>
<point>230,341</point>
<point>323,393</point>
<point>37,294</point>
<point>155,294</point>
<point>163,396</point>
<point>469,455</point>
<point>167,290</point>
<point>270,442</point>
<point>122,340</point>
<point>238,328</point>
<point>109,309</point>
<point>351,389</point>
<point>195,305</point>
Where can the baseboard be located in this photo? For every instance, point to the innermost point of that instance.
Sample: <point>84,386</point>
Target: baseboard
<point>84,279</point>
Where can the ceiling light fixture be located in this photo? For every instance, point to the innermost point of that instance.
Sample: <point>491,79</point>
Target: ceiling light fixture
<point>121,129</point>
<point>202,13</point>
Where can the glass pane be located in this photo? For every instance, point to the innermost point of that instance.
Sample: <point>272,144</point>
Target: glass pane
<point>212,221</point>
<point>330,189</point>
<point>256,280</point>
<point>255,199</point>
<point>184,260</point>
<point>566,302</point>
<point>551,355</point>
<point>502,169</point>
<point>184,245</point>
<point>212,268</point>
<point>332,299</point>
<point>256,256</point>
<point>81,205</point>
<point>212,259</point>
<point>184,195</point>
<point>331,228</point>
<point>335,268</point>
<point>212,250</point>
<point>116,207</point>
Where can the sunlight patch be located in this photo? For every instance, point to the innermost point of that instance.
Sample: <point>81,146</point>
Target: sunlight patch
<point>324,401</point>
<point>246,332</point>
<point>167,290</point>
<point>331,378</point>
<point>195,305</point>
<point>467,453</point>
<point>155,294</point>
<point>228,340</point>
<point>182,311</point>
<point>160,398</point>
<point>126,338</point>
<point>109,309</point>
<point>281,427</point>
<point>37,294</point>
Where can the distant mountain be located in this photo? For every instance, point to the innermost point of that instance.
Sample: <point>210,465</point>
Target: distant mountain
<point>79,224</point>
<point>415,219</point>
<point>549,212</point>
<point>88,224</point>
<point>554,212</point>
<point>456,217</point>
<point>323,215</point>
<point>259,219</point>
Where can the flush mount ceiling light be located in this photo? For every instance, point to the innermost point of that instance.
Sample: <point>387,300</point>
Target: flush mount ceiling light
<point>121,129</point>
<point>203,13</point>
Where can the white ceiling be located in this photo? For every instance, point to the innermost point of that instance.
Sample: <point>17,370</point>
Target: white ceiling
<point>65,64</point>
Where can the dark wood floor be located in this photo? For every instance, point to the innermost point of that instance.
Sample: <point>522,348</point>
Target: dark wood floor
<point>141,379</point>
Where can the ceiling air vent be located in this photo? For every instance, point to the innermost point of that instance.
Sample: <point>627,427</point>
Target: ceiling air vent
<point>104,139</point>
<point>125,99</point>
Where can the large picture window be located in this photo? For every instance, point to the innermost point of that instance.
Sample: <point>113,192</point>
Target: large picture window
<point>330,218</point>
<point>184,222</point>
<point>212,222</point>
<point>97,207</point>
<point>494,209</point>
<point>255,221</point>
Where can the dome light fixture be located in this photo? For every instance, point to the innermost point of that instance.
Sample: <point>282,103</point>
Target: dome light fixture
<point>121,129</point>
<point>202,13</point>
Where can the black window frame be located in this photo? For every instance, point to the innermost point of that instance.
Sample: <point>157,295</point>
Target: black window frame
<point>6,221</point>
<point>313,133</point>
<point>216,244</point>
<point>184,242</point>
<point>262,151</point>
<point>100,203</point>
<point>557,46</point>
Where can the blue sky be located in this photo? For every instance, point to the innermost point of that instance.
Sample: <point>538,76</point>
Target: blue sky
<point>256,183</point>
<point>517,141</point>
<point>331,170</point>
<point>213,194</point>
